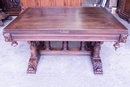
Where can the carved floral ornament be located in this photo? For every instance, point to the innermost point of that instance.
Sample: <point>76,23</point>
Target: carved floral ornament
<point>14,3</point>
<point>7,37</point>
<point>122,38</point>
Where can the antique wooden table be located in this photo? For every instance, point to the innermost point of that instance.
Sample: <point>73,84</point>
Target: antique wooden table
<point>91,26</point>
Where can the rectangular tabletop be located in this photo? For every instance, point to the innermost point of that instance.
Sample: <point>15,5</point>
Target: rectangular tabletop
<point>65,24</point>
<point>88,25</point>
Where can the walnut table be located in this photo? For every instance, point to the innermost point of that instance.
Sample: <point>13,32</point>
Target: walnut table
<point>91,26</point>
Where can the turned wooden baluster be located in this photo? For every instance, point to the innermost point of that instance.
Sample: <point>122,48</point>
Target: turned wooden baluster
<point>96,61</point>
<point>47,45</point>
<point>65,45</point>
<point>82,46</point>
<point>33,61</point>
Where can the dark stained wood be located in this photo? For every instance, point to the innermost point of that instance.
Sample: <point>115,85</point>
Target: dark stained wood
<point>82,46</point>
<point>47,45</point>
<point>89,25</point>
<point>124,9</point>
<point>96,61</point>
<point>4,16</point>
<point>33,61</point>
<point>11,7</point>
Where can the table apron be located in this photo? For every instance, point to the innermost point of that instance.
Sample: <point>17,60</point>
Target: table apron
<point>67,38</point>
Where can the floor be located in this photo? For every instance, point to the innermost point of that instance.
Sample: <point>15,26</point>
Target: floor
<point>64,71</point>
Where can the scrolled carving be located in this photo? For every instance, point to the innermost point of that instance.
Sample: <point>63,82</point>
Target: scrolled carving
<point>32,65</point>
<point>8,37</point>
<point>96,61</point>
<point>123,38</point>
<point>14,3</point>
<point>97,65</point>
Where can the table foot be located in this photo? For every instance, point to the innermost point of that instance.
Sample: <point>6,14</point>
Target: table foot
<point>33,61</point>
<point>96,61</point>
<point>97,66</point>
<point>32,65</point>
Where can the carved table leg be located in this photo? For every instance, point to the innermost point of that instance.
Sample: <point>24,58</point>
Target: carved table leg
<point>33,61</point>
<point>96,61</point>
